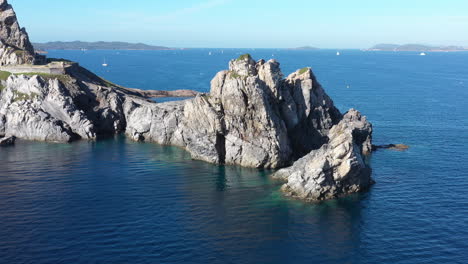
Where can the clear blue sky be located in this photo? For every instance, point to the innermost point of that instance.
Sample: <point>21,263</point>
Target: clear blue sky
<point>248,23</point>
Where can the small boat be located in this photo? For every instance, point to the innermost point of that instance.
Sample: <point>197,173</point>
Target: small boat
<point>337,53</point>
<point>209,53</point>
<point>105,63</point>
<point>422,54</point>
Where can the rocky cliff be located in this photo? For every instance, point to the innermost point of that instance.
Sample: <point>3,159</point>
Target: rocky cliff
<point>15,47</point>
<point>252,117</point>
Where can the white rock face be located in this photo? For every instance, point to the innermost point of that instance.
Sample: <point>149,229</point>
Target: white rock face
<point>337,168</point>
<point>37,109</point>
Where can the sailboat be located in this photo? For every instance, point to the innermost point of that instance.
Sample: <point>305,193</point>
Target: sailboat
<point>105,63</point>
<point>337,53</point>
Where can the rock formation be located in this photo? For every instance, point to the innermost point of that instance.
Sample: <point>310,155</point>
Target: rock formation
<point>252,117</point>
<point>15,47</point>
<point>337,168</point>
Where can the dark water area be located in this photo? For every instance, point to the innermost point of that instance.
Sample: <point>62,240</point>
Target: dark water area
<point>118,201</point>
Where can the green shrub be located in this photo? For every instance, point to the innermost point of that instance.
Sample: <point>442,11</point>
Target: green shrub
<point>19,96</point>
<point>244,57</point>
<point>48,76</point>
<point>4,75</point>
<point>234,75</point>
<point>303,70</point>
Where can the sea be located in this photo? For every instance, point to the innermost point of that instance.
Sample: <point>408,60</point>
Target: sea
<point>118,201</point>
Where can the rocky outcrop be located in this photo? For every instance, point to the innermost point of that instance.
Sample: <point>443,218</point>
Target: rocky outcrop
<point>337,168</point>
<point>15,47</point>
<point>7,141</point>
<point>252,117</point>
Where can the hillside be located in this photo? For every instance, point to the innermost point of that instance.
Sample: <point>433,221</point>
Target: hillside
<point>100,45</point>
<point>415,47</point>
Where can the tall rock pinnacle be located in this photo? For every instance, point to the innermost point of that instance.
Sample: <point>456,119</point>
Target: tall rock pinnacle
<point>15,47</point>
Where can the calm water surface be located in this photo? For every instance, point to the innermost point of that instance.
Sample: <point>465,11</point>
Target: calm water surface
<point>117,201</point>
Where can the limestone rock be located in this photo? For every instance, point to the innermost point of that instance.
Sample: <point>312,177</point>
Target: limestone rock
<point>337,168</point>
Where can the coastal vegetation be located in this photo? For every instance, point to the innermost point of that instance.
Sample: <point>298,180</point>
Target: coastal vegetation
<point>244,57</point>
<point>4,75</point>
<point>303,70</point>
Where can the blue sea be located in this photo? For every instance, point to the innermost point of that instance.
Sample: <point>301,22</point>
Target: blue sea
<point>118,201</point>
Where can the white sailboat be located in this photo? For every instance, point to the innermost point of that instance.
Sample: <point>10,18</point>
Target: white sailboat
<point>338,53</point>
<point>105,63</point>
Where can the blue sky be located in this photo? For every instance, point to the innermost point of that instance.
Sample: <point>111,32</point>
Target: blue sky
<point>248,23</point>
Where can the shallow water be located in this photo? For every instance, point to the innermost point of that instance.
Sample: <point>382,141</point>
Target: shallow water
<point>117,201</point>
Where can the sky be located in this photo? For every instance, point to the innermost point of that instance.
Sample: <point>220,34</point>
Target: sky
<point>248,23</point>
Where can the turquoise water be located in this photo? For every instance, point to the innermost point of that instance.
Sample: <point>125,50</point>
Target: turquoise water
<point>117,201</point>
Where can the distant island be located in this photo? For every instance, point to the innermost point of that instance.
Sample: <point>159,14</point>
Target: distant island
<point>416,47</point>
<point>305,48</point>
<point>100,45</point>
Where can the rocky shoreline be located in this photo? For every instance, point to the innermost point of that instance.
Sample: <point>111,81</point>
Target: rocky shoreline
<point>252,117</point>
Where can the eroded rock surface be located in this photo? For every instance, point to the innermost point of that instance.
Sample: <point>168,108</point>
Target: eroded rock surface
<point>253,117</point>
<point>15,47</point>
<point>335,169</point>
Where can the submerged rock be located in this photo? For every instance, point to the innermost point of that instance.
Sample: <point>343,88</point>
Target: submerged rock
<point>7,141</point>
<point>399,147</point>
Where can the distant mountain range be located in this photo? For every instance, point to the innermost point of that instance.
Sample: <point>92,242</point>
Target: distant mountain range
<point>100,45</point>
<point>415,47</point>
<point>305,48</point>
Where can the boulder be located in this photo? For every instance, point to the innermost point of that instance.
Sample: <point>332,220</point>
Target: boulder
<point>337,168</point>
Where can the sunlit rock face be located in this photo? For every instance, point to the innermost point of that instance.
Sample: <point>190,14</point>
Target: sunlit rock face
<point>254,117</point>
<point>15,47</point>
<point>337,168</point>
